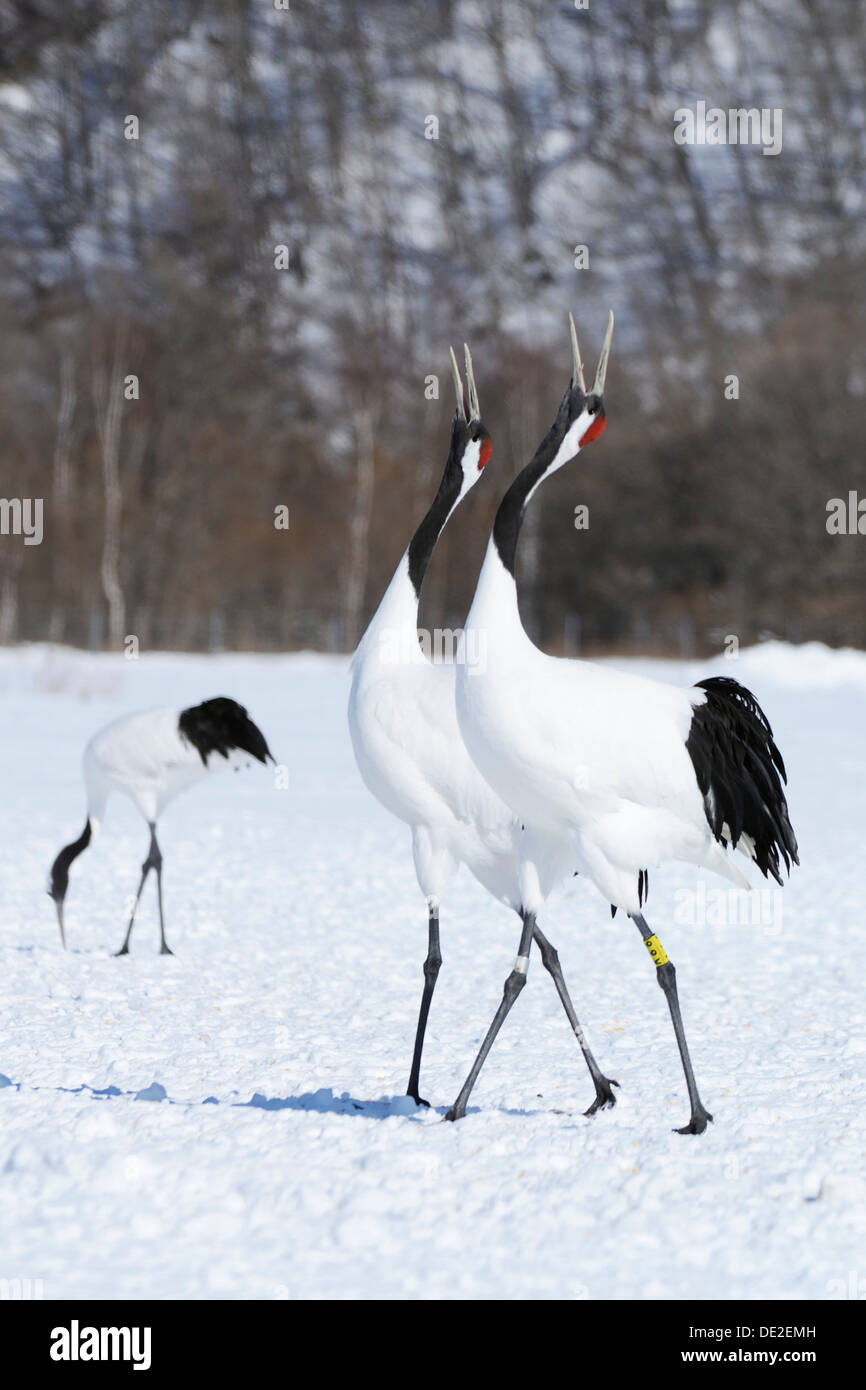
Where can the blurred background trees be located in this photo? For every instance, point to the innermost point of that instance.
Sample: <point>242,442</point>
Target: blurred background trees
<point>297,378</point>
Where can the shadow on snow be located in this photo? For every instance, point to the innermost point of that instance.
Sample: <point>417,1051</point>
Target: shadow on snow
<point>323,1101</point>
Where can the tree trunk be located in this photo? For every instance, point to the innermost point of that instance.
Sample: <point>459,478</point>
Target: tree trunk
<point>108,400</point>
<point>360,526</point>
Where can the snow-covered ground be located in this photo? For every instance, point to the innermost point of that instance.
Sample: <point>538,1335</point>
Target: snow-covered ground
<point>230,1122</point>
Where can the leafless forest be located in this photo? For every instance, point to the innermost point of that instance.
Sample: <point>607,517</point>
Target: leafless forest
<point>238,239</point>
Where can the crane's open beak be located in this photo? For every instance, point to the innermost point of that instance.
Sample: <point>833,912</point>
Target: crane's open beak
<point>474,407</point>
<point>577,378</point>
<point>601,369</point>
<point>458,386</point>
<point>471,389</point>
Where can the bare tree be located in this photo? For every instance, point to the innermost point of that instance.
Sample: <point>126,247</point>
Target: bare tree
<point>108,402</point>
<point>359,525</point>
<point>431,169</point>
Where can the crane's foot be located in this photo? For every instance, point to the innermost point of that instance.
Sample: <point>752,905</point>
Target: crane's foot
<point>698,1123</point>
<point>604,1096</point>
<point>456,1112</point>
<point>165,951</point>
<point>124,951</point>
<point>419,1100</point>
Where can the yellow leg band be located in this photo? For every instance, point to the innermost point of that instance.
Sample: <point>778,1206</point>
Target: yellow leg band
<point>656,950</point>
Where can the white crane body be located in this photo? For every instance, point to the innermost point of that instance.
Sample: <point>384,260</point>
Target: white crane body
<point>409,750</point>
<point>593,756</point>
<point>143,757</point>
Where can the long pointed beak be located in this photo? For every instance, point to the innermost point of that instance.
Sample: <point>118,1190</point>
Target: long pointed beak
<point>458,385</point>
<point>474,408</point>
<point>601,369</point>
<point>577,365</point>
<point>59,905</point>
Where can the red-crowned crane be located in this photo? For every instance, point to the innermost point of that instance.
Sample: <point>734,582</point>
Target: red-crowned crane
<point>149,757</point>
<point>610,773</point>
<point>408,746</point>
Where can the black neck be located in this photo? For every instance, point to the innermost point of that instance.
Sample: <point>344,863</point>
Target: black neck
<point>60,868</point>
<point>509,518</point>
<point>424,540</point>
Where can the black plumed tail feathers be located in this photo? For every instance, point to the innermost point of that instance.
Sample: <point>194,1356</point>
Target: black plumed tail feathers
<point>740,773</point>
<point>222,725</point>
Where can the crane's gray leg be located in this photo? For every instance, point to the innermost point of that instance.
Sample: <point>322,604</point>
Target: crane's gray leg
<point>550,960</point>
<point>431,972</point>
<point>156,856</point>
<point>153,861</point>
<point>667,978</point>
<point>145,870</point>
<point>513,985</point>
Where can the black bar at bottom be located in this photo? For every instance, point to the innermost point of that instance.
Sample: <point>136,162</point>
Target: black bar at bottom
<point>151,1337</point>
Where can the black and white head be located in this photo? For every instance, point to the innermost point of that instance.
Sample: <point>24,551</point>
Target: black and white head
<point>469,452</point>
<point>222,726</point>
<point>581,415</point>
<point>471,446</point>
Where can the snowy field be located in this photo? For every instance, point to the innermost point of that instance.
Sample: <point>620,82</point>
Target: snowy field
<point>230,1123</point>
